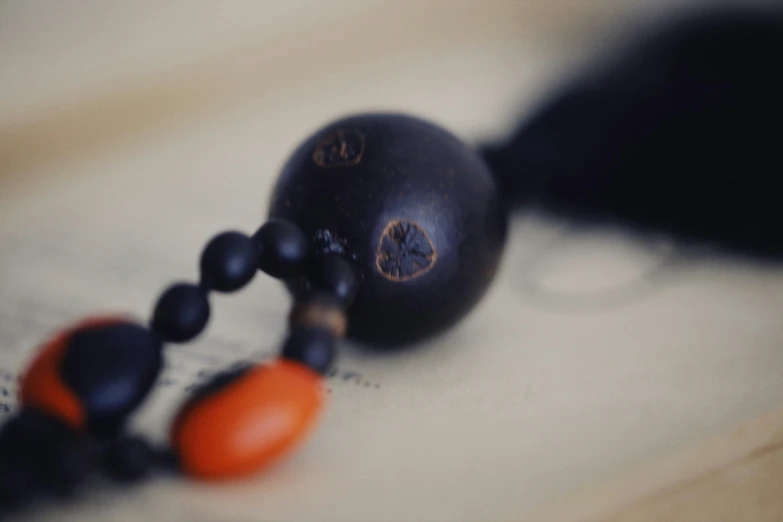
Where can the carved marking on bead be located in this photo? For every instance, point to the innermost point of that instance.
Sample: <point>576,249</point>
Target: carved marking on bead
<point>341,148</point>
<point>405,251</point>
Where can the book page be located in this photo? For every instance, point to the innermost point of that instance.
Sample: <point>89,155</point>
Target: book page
<point>594,350</point>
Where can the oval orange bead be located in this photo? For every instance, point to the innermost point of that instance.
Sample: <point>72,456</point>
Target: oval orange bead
<point>42,386</point>
<point>249,423</point>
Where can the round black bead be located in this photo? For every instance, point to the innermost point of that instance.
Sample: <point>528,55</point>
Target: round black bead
<point>66,464</point>
<point>129,458</point>
<point>111,368</point>
<point>313,347</point>
<point>58,457</point>
<point>181,313</point>
<point>19,483</point>
<point>228,262</point>
<point>28,431</point>
<point>282,248</point>
<point>338,276</point>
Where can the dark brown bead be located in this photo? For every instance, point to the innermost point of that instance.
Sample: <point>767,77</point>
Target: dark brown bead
<point>413,206</point>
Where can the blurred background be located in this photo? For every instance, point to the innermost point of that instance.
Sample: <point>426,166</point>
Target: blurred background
<point>82,79</point>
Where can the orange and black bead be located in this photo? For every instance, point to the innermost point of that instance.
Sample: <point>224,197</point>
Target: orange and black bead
<point>93,374</point>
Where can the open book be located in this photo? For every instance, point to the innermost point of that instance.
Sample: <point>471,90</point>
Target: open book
<point>593,350</point>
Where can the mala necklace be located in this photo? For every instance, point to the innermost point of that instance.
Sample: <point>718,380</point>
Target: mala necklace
<point>388,230</point>
<point>385,228</point>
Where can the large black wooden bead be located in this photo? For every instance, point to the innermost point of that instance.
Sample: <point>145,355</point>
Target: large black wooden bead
<point>228,262</point>
<point>336,275</point>
<point>312,347</point>
<point>414,206</point>
<point>111,369</point>
<point>282,248</point>
<point>129,458</point>
<point>181,313</point>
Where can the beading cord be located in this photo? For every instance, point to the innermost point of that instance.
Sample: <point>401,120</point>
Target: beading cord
<point>87,379</point>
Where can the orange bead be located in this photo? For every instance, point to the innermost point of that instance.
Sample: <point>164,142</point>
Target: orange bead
<point>42,386</point>
<point>248,423</point>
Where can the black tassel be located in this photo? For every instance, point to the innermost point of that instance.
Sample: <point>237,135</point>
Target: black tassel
<point>681,133</point>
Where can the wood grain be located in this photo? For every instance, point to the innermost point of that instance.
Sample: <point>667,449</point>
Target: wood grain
<point>737,475</point>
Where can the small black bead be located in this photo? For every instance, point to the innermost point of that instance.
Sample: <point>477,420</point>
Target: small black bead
<point>111,368</point>
<point>338,276</point>
<point>19,483</point>
<point>129,459</point>
<point>53,452</point>
<point>181,313</point>
<point>66,464</point>
<point>282,248</point>
<point>28,431</point>
<point>228,262</point>
<point>169,460</point>
<point>313,347</point>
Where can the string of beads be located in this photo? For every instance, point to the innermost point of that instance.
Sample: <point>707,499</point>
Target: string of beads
<point>86,380</point>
